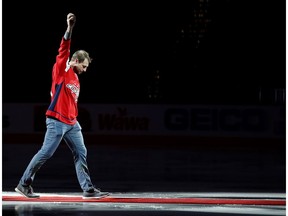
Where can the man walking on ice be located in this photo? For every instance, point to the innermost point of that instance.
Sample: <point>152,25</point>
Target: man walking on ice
<point>61,119</point>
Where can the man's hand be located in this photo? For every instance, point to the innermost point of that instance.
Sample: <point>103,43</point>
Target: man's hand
<point>71,20</point>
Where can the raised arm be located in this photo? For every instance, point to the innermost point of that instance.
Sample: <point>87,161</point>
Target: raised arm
<point>71,20</point>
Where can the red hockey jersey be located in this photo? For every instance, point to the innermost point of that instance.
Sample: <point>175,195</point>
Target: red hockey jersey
<point>65,87</point>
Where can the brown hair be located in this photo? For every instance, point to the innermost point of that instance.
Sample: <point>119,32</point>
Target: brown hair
<point>81,55</point>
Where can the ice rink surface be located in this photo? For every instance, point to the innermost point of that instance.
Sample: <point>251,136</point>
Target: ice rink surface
<point>142,204</point>
<point>236,180</point>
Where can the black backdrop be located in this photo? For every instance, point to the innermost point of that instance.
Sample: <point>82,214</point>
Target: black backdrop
<point>242,50</point>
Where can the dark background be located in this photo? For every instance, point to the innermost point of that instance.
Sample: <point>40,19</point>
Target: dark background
<point>205,52</point>
<point>216,51</point>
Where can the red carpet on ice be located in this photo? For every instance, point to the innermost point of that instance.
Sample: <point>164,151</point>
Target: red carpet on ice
<point>186,200</point>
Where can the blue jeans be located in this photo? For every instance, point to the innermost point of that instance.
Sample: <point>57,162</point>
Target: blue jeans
<point>72,135</point>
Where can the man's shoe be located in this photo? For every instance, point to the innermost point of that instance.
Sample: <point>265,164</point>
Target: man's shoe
<point>94,193</point>
<point>26,191</point>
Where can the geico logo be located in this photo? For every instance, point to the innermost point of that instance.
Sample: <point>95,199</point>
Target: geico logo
<point>232,119</point>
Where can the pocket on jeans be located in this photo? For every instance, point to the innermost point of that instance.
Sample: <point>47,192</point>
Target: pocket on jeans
<point>54,125</point>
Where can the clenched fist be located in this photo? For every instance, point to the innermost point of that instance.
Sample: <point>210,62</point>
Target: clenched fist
<point>71,20</point>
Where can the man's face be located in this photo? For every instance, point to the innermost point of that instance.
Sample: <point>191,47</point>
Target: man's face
<point>81,67</point>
